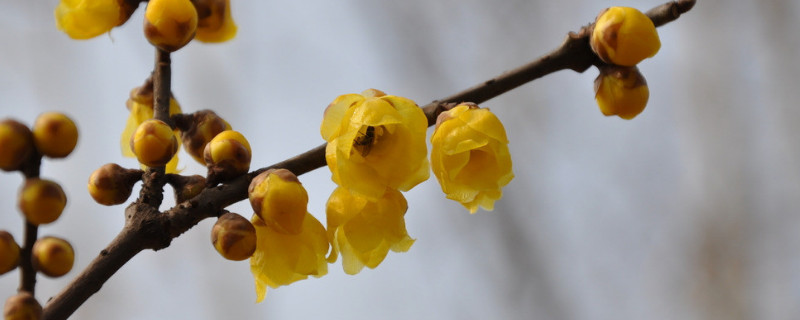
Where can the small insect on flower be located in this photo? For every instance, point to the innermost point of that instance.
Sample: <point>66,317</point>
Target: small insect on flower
<point>364,141</point>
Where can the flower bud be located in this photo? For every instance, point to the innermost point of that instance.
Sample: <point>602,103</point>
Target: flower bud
<point>227,156</point>
<point>624,36</point>
<point>201,127</point>
<point>154,143</point>
<point>234,237</point>
<point>54,134</point>
<point>215,23</point>
<point>186,187</point>
<point>621,91</point>
<point>53,256</point>
<point>16,144</point>
<point>9,252</point>
<point>170,24</point>
<point>279,199</point>
<point>22,306</point>
<point>41,201</point>
<point>111,184</point>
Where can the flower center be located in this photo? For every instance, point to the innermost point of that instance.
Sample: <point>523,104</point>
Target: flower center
<point>367,138</point>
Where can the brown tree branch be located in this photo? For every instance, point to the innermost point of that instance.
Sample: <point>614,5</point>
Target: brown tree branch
<point>27,275</point>
<point>146,228</point>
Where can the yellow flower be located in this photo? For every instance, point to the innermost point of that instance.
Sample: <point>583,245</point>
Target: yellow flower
<point>282,258</point>
<point>140,105</point>
<point>170,24</point>
<point>363,230</point>
<point>278,198</point>
<point>621,91</point>
<point>624,36</point>
<point>470,157</point>
<point>375,141</point>
<point>215,22</point>
<point>84,19</point>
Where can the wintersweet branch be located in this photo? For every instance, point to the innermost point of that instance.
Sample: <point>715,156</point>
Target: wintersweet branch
<point>146,228</point>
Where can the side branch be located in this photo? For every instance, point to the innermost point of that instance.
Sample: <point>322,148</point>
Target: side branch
<point>154,230</point>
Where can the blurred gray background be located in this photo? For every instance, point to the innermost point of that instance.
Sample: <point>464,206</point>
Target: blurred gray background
<point>688,211</point>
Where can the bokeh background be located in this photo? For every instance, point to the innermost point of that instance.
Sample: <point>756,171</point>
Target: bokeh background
<point>689,211</point>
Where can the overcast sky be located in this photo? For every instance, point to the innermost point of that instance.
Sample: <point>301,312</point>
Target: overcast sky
<point>688,211</point>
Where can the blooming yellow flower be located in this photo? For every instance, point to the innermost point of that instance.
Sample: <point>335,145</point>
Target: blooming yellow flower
<point>621,91</point>
<point>215,22</point>
<point>84,19</point>
<point>364,231</point>
<point>469,156</point>
<point>624,36</point>
<point>375,141</point>
<point>140,105</point>
<point>283,258</point>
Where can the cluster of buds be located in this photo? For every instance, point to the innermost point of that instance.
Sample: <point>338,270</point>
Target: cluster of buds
<point>622,37</point>
<point>168,24</point>
<point>41,201</point>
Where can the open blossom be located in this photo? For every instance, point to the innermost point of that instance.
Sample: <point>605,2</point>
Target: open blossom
<point>140,105</point>
<point>291,243</point>
<point>85,19</point>
<point>375,141</point>
<point>215,22</point>
<point>470,157</point>
<point>282,258</point>
<point>363,230</point>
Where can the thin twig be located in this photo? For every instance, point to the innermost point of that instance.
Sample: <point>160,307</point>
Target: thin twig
<point>27,276</point>
<point>574,54</point>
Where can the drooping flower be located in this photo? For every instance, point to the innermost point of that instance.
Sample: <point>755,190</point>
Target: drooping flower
<point>281,258</point>
<point>621,91</point>
<point>215,22</point>
<point>85,19</point>
<point>291,243</point>
<point>140,105</point>
<point>470,156</point>
<point>363,230</point>
<point>624,36</point>
<point>375,141</point>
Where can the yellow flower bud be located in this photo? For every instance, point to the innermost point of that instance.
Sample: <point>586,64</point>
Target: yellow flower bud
<point>279,199</point>
<point>215,22</point>
<point>624,36</point>
<point>375,141</point>
<point>111,184</point>
<point>54,134</point>
<point>228,155</point>
<point>22,306</point>
<point>140,105</point>
<point>621,91</point>
<point>16,144</point>
<point>470,157</point>
<point>281,258</point>
<point>363,230</point>
<point>41,201</point>
<point>9,252</point>
<point>201,127</point>
<point>84,19</point>
<point>53,256</point>
<point>154,143</point>
<point>170,24</point>
<point>234,237</point>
